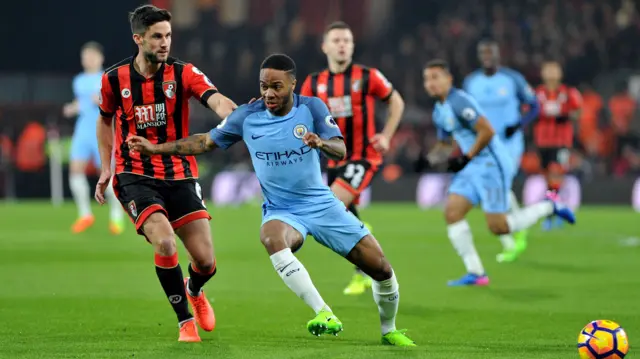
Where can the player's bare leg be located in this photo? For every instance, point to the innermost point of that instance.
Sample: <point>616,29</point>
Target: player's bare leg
<point>554,176</point>
<point>461,238</point>
<point>279,239</point>
<point>368,256</point>
<point>196,236</point>
<point>360,281</point>
<point>159,232</point>
<point>500,223</point>
<point>80,191</point>
<point>116,214</point>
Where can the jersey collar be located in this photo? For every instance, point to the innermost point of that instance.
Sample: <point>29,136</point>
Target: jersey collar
<point>135,75</point>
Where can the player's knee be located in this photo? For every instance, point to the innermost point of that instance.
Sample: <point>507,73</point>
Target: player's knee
<point>384,272</point>
<point>160,233</point>
<point>273,243</point>
<point>453,215</point>
<point>204,265</point>
<point>498,226</point>
<point>165,245</point>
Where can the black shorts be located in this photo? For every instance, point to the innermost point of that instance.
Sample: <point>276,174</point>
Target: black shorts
<point>559,155</point>
<point>180,200</point>
<point>354,176</point>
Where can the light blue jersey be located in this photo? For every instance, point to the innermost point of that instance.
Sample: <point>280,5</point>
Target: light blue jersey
<point>84,145</point>
<point>487,178</point>
<point>501,97</point>
<point>289,171</point>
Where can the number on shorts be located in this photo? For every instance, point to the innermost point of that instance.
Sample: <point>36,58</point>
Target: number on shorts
<point>355,174</point>
<point>199,193</point>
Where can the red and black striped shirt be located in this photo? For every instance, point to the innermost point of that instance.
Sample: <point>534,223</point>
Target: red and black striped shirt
<point>156,108</point>
<point>351,96</point>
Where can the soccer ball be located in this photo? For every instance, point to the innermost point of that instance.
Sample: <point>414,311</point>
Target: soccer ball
<point>603,339</point>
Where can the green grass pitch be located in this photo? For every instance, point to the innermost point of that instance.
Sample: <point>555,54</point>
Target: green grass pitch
<point>97,296</point>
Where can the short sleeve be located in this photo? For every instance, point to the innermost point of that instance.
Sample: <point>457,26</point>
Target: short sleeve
<point>325,126</point>
<point>465,108</point>
<point>198,84</point>
<point>523,89</point>
<point>229,131</point>
<point>379,86</point>
<point>106,100</point>
<point>575,99</point>
<point>306,89</point>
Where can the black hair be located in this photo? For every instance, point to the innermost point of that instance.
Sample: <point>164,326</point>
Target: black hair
<point>145,16</point>
<point>92,45</point>
<point>437,63</point>
<point>280,62</point>
<point>337,25</point>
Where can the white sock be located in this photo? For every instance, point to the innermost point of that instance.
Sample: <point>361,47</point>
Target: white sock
<point>80,191</point>
<point>462,240</point>
<point>387,297</point>
<point>529,216</point>
<point>513,202</point>
<point>115,209</point>
<point>296,277</point>
<point>508,243</point>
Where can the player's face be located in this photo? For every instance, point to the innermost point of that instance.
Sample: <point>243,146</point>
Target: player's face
<point>437,81</point>
<point>276,89</point>
<point>155,43</point>
<point>92,60</point>
<point>488,56</point>
<point>338,45</point>
<point>551,72</point>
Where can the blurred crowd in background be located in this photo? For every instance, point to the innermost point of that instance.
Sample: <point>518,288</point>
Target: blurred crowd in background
<point>596,41</point>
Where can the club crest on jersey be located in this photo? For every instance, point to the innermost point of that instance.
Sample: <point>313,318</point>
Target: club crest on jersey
<point>169,89</point>
<point>356,85</point>
<point>126,93</point>
<point>132,209</point>
<point>299,131</point>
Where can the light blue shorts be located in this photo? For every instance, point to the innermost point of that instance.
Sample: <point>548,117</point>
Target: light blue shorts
<point>488,187</point>
<point>85,148</point>
<point>334,226</point>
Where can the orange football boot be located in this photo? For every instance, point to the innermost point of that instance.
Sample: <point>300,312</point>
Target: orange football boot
<point>82,224</point>
<point>202,310</point>
<point>189,332</point>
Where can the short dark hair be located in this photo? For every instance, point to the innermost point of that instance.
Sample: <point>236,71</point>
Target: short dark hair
<point>337,25</point>
<point>437,63</point>
<point>280,62</point>
<point>145,16</point>
<point>92,45</point>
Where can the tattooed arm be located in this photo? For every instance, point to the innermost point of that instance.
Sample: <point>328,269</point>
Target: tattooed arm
<point>192,145</point>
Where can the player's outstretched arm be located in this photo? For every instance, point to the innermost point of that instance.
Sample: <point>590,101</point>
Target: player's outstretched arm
<point>221,105</point>
<point>192,145</point>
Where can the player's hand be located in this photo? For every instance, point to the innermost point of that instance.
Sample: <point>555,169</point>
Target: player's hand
<point>380,143</point>
<point>101,187</point>
<point>562,119</point>
<point>312,140</point>
<point>457,163</point>
<point>140,144</point>
<point>68,110</point>
<point>511,130</point>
